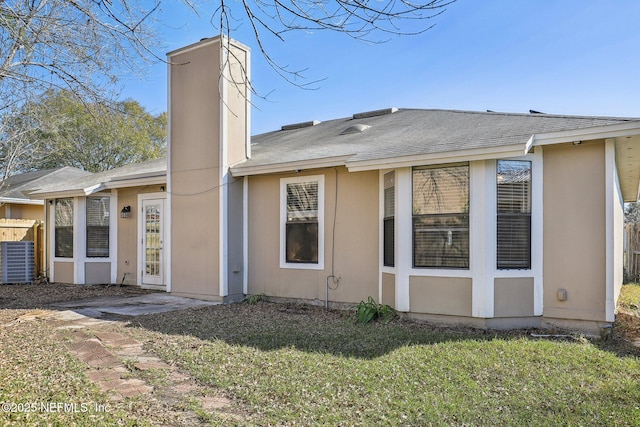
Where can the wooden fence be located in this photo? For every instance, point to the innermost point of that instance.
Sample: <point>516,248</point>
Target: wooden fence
<point>631,252</point>
<point>17,230</point>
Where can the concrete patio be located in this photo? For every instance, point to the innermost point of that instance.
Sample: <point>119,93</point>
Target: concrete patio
<point>131,306</point>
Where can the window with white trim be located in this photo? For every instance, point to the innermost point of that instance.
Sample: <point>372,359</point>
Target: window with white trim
<point>64,228</point>
<point>302,221</point>
<point>441,216</point>
<point>389,219</point>
<point>98,227</point>
<point>514,214</point>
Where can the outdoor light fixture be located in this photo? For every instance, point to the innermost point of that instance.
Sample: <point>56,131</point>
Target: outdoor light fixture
<point>577,142</point>
<point>125,212</point>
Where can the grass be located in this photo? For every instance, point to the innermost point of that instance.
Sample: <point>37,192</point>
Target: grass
<point>36,370</point>
<point>286,364</point>
<point>306,366</point>
<point>630,297</point>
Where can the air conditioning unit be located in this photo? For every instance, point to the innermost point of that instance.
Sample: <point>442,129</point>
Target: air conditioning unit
<point>16,262</point>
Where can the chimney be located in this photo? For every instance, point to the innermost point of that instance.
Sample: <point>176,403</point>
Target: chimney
<point>209,131</point>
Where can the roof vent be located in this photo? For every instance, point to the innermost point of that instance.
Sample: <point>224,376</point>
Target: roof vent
<point>300,125</point>
<point>535,112</point>
<point>357,128</point>
<point>374,113</point>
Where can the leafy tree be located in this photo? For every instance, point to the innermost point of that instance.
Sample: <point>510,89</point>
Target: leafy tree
<point>91,136</point>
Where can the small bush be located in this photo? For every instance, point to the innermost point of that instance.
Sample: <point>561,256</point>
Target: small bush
<point>365,312</point>
<point>254,299</point>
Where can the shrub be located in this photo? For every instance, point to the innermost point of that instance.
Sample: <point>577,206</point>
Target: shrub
<point>365,312</point>
<point>254,299</point>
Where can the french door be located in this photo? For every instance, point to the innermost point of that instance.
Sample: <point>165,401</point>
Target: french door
<point>153,242</point>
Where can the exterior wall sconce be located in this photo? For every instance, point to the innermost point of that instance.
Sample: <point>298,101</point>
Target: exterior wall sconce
<point>125,212</point>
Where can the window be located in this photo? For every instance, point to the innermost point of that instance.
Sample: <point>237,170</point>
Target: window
<point>303,206</point>
<point>441,216</point>
<point>98,227</point>
<point>514,214</point>
<point>64,228</point>
<point>389,219</point>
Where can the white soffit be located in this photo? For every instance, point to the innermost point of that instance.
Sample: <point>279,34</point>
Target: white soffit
<point>628,165</point>
<point>617,130</point>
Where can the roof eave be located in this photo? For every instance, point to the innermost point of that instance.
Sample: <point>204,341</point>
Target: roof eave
<point>437,158</point>
<point>295,166</point>
<point>629,128</point>
<point>148,179</point>
<point>44,195</point>
<point>21,201</point>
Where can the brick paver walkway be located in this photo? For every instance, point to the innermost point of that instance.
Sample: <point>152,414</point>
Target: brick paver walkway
<point>122,368</point>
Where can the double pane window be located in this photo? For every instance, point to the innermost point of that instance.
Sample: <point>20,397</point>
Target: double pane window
<point>514,214</point>
<point>301,228</point>
<point>98,227</point>
<point>389,219</point>
<point>64,228</point>
<point>441,216</point>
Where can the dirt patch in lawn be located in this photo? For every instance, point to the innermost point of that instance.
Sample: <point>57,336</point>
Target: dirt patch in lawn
<point>40,296</point>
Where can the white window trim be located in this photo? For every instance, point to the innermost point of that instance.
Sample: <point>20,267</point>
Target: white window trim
<point>482,237</point>
<point>386,268</point>
<point>79,258</point>
<point>113,232</point>
<point>283,221</point>
<point>52,230</point>
<point>438,271</point>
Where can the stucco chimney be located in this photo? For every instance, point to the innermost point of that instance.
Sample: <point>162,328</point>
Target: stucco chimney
<point>209,131</point>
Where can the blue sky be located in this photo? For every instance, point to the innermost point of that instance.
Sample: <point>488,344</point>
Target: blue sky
<point>577,57</point>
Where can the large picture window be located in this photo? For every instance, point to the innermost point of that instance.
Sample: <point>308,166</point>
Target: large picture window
<point>441,216</point>
<point>98,227</point>
<point>389,219</point>
<point>514,214</point>
<point>302,222</point>
<point>64,228</point>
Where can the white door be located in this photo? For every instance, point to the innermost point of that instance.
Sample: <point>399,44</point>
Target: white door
<point>152,242</point>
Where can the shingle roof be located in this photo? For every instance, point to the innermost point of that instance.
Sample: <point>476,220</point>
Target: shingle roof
<point>410,132</point>
<point>157,167</point>
<point>17,186</point>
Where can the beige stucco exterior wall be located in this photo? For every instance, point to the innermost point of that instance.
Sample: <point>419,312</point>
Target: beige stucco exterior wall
<point>389,289</point>
<point>575,231</point>
<point>356,239</point>
<point>207,135</point>
<point>195,234</point>
<point>440,295</point>
<point>195,171</point>
<point>64,272</point>
<point>97,273</point>
<point>195,109</point>
<point>128,239</point>
<point>513,297</point>
<point>238,107</point>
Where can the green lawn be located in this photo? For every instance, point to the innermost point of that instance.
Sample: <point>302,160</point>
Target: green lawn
<point>283,364</point>
<point>308,367</point>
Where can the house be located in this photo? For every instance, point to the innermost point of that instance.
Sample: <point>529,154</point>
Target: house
<point>21,218</point>
<point>490,219</point>
<point>90,240</point>
<point>15,202</point>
